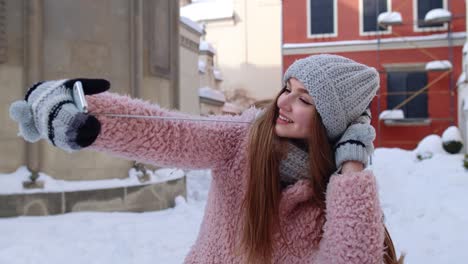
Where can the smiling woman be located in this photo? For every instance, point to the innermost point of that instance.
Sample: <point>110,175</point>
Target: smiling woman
<point>296,109</point>
<point>278,193</point>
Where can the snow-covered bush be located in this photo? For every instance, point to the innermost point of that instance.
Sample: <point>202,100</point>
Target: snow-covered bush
<point>452,141</point>
<point>429,146</point>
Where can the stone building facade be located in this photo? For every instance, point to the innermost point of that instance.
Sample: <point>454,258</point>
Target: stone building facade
<point>132,43</point>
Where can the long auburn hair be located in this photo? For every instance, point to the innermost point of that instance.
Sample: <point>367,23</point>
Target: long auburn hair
<point>260,206</point>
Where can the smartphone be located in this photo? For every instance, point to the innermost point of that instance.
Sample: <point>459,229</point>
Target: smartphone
<point>79,97</point>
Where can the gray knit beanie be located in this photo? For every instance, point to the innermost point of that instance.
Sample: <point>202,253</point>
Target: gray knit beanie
<point>342,89</point>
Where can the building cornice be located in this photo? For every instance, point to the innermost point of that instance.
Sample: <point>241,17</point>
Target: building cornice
<point>411,42</point>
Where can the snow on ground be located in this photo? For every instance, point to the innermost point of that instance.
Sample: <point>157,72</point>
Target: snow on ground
<point>101,238</point>
<point>425,206</point>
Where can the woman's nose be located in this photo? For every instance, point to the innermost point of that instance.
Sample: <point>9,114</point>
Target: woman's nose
<point>284,102</point>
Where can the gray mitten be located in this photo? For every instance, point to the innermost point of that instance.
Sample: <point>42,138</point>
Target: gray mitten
<point>50,112</point>
<point>356,142</point>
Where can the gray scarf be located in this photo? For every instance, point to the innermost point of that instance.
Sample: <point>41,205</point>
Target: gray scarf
<point>295,165</point>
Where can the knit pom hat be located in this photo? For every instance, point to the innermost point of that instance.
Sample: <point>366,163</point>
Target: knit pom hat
<point>342,89</point>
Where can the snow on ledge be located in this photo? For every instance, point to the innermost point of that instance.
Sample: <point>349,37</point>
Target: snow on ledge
<point>438,15</point>
<point>438,65</point>
<point>217,75</point>
<point>443,36</point>
<point>231,108</point>
<point>202,66</point>
<point>192,24</point>
<point>389,18</point>
<point>392,114</point>
<point>210,93</point>
<point>206,46</point>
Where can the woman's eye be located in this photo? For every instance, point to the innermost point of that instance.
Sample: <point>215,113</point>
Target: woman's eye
<point>305,101</point>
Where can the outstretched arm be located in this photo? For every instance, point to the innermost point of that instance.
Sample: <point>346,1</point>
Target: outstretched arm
<point>165,142</point>
<point>49,111</point>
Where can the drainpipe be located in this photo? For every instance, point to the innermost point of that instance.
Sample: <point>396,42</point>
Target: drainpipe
<point>136,47</point>
<point>33,60</point>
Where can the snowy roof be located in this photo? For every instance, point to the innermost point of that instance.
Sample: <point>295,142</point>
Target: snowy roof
<point>438,15</point>
<point>392,114</point>
<point>202,66</point>
<point>217,75</point>
<point>208,10</point>
<point>192,24</point>
<point>438,65</point>
<point>210,93</point>
<point>389,18</point>
<point>231,108</point>
<point>206,46</point>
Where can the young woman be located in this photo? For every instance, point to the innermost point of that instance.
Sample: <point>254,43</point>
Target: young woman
<point>288,185</point>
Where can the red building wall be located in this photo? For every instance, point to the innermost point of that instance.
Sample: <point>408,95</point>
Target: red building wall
<point>295,21</point>
<point>440,98</point>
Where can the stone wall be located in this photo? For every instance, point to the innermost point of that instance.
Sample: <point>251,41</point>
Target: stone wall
<point>141,198</point>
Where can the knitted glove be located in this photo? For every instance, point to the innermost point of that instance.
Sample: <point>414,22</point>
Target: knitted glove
<point>356,142</point>
<point>49,112</point>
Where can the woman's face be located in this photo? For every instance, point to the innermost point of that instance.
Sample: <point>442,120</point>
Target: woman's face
<point>296,108</point>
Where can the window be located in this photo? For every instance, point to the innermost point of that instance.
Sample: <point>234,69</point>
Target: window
<point>422,7</point>
<point>370,11</point>
<point>322,17</point>
<point>401,85</point>
<point>161,25</point>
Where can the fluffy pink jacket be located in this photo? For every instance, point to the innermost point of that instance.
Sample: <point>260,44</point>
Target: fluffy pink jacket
<point>350,231</point>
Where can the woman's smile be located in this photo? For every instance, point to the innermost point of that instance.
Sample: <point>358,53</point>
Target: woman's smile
<point>282,120</point>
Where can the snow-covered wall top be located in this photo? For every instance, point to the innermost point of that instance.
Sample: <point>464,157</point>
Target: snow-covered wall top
<point>210,93</point>
<point>192,24</point>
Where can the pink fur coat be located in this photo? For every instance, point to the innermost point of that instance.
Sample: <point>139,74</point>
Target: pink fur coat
<point>350,231</point>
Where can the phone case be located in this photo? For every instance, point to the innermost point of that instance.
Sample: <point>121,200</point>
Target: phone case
<point>79,97</point>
